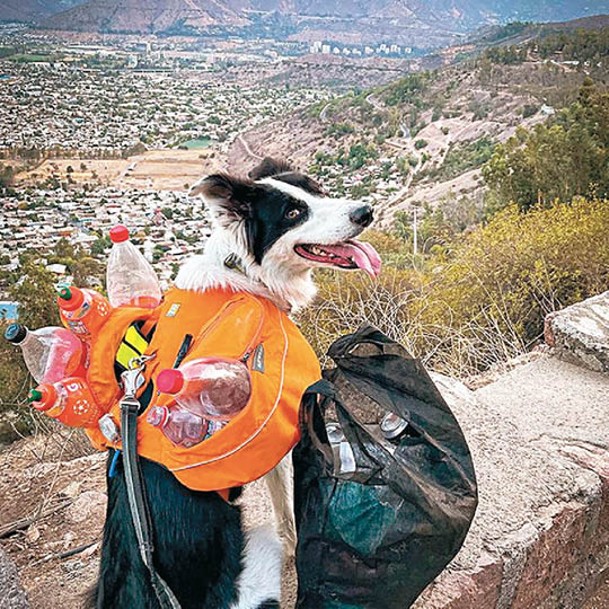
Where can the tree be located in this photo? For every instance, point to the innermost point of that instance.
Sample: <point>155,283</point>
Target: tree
<point>35,292</point>
<point>564,158</point>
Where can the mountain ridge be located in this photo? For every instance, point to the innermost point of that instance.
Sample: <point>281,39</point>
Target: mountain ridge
<point>307,20</point>
<point>28,10</point>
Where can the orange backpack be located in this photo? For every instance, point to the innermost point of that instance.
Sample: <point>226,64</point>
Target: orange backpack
<point>221,323</point>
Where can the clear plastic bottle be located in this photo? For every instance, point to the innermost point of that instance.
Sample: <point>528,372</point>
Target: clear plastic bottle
<point>344,458</point>
<point>69,401</point>
<point>83,311</point>
<point>50,353</point>
<point>180,426</point>
<point>130,280</point>
<point>213,388</point>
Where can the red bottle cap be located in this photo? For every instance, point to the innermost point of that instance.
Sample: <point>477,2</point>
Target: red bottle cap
<point>158,416</point>
<point>70,299</point>
<point>43,397</point>
<point>170,381</point>
<point>119,233</point>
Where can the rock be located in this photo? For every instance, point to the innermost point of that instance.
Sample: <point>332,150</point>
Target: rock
<point>12,595</point>
<point>91,506</point>
<point>32,534</point>
<point>580,333</point>
<point>72,489</point>
<point>540,538</point>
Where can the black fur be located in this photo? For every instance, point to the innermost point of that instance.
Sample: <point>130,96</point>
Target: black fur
<point>282,170</point>
<point>198,544</point>
<point>265,210</point>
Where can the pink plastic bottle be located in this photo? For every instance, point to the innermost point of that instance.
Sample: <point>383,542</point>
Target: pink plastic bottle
<point>213,388</point>
<point>50,353</point>
<point>182,427</point>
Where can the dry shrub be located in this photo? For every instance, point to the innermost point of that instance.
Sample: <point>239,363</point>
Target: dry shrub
<point>348,300</point>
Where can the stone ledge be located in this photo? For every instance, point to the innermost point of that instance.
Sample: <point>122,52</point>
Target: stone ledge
<point>540,539</point>
<point>580,333</point>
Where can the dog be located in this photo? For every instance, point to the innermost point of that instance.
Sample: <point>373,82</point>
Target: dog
<point>275,227</point>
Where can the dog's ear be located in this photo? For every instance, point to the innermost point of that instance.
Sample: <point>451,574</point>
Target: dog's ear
<point>268,168</point>
<point>227,197</point>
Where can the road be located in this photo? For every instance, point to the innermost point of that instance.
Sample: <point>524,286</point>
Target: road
<point>375,104</point>
<point>323,115</point>
<point>247,148</point>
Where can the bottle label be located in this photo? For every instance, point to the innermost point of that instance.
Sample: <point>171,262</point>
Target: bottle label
<point>258,360</point>
<point>78,327</point>
<point>213,427</point>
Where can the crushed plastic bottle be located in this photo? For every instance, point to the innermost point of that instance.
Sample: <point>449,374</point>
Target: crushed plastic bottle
<point>83,311</point>
<point>182,427</point>
<point>344,458</point>
<point>130,280</point>
<point>69,401</point>
<point>213,388</point>
<point>50,353</point>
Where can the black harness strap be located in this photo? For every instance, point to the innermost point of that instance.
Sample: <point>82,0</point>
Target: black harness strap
<point>136,495</point>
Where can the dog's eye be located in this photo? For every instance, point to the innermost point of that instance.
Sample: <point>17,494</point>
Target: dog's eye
<point>293,213</point>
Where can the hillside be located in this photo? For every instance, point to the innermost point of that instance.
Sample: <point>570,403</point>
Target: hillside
<point>413,22</point>
<point>423,139</point>
<point>146,16</point>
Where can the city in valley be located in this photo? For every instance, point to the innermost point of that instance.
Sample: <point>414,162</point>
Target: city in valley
<point>92,135</point>
<point>96,130</point>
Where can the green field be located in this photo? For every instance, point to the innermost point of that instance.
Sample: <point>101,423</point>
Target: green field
<point>203,142</point>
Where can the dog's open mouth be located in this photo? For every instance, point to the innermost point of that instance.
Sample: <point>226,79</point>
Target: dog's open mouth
<point>350,254</point>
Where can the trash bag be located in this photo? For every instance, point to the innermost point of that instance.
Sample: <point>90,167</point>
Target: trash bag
<point>383,503</point>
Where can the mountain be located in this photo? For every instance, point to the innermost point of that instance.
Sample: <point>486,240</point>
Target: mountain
<point>423,23</point>
<point>146,16</point>
<point>28,10</point>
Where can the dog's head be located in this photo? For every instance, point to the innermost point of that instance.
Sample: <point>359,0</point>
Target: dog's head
<point>282,220</point>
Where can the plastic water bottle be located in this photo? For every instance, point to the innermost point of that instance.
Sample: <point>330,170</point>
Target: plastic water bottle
<point>213,388</point>
<point>182,427</point>
<point>69,401</point>
<point>83,312</point>
<point>50,353</point>
<point>130,280</point>
<point>344,457</point>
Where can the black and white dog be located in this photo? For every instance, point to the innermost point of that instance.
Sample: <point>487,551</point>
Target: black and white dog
<point>279,224</point>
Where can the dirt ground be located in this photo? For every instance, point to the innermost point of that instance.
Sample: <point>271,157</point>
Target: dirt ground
<point>601,598</point>
<point>52,509</point>
<point>169,169</point>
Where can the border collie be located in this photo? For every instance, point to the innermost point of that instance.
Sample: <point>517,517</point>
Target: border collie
<point>277,226</point>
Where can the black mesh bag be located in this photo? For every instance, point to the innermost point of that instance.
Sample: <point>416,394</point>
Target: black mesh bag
<point>383,502</point>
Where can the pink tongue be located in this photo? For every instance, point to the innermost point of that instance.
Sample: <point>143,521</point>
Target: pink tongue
<point>364,256</point>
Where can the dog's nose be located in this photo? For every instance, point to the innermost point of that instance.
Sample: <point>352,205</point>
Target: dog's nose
<point>362,216</point>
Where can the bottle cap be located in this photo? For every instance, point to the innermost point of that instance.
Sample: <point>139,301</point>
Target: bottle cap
<point>35,395</point>
<point>119,233</point>
<point>170,381</point>
<point>69,299</point>
<point>43,397</point>
<point>393,426</point>
<point>158,416</point>
<point>15,333</point>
